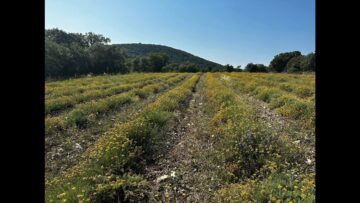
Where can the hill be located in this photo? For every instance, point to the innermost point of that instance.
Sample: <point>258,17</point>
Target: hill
<point>175,55</point>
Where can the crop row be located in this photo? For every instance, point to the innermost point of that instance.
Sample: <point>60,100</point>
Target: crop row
<point>299,87</point>
<point>283,102</point>
<point>81,113</point>
<point>90,79</point>
<point>300,79</point>
<point>87,134</point>
<point>104,175</point>
<point>94,83</point>
<point>253,155</point>
<point>58,85</point>
<point>64,102</point>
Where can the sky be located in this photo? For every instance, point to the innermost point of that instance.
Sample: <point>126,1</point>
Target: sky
<point>235,32</point>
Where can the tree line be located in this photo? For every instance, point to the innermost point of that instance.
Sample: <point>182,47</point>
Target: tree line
<point>75,54</point>
<point>290,62</point>
<point>176,56</point>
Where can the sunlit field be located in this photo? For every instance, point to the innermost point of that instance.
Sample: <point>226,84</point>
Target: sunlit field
<point>178,137</point>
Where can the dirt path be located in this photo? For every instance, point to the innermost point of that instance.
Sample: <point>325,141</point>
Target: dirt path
<point>183,171</point>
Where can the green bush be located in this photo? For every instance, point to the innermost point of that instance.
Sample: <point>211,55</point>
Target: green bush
<point>276,188</point>
<point>282,100</point>
<point>304,92</point>
<point>266,94</point>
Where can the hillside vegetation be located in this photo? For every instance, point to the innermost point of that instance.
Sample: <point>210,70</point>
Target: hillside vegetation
<point>176,56</point>
<point>75,54</point>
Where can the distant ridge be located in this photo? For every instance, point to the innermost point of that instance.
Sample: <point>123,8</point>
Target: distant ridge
<point>175,55</point>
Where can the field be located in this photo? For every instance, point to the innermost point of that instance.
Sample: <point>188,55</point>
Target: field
<point>181,137</point>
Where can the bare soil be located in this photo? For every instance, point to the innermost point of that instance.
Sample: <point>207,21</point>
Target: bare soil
<point>183,170</point>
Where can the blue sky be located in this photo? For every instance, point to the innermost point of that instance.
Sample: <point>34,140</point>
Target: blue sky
<point>233,32</point>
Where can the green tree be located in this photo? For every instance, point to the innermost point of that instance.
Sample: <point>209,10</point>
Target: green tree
<point>262,68</point>
<point>79,60</point>
<point>107,59</point>
<point>157,61</point>
<point>93,39</point>
<point>56,60</point>
<point>135,64</point>
<point>144,64</point>
<point>189,67</point>
<point>238,69</point>
<point>61,37</point>
<point>72,54</point>
<point>295,64</point>
<point>229,68</point>
<point>170,67</point>
<point>278,64</point>
<point>250,67</point>
<point>309,62</point>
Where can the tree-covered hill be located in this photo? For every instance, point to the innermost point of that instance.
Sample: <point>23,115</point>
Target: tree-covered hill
<point>176,56</point>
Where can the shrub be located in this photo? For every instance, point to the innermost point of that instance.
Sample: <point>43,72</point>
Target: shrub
<point>275,188</point>
<point>304,92</point>
<point>266,94</point>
